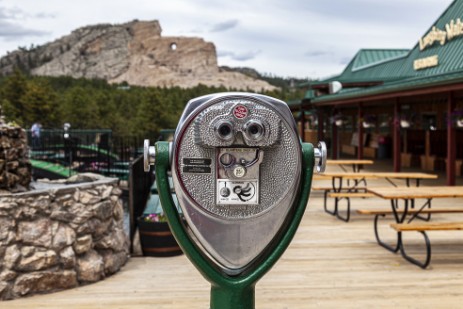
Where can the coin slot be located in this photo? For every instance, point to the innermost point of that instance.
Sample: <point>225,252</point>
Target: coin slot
<point>227,159</point>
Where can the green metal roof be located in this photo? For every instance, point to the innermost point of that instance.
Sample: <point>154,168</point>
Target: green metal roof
<point>411,83</point>
<point>449,54</point>
<point>306,113</point>
<point>395,67</point>
<point>309,94</point>
<point>293,102</point>
<point>368,57</point>
<point>372,65</point>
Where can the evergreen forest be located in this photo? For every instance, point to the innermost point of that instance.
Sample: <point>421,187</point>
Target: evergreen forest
<point>96,104</point>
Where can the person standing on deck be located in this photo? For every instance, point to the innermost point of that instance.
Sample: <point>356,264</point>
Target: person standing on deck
<point>35,132</point>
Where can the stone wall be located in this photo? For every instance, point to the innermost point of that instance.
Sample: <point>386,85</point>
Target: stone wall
<point>15,169</point>
<point>60,238</point>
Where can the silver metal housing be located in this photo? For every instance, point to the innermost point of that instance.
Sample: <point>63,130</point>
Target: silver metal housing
<point>234,235</point>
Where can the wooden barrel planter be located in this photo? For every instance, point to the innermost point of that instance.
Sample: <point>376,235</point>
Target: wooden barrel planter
<point>157,239</point>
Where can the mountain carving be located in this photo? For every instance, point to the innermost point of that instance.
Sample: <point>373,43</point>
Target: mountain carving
<point>134,52</point>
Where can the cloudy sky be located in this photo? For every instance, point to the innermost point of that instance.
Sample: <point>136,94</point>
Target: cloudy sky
<point>298,38</point>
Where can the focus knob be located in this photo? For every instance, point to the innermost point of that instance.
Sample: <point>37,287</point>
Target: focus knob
<point>320,157</point>
<point>149,155</point>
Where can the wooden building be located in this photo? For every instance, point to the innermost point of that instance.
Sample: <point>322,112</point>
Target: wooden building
<point>403,104</point>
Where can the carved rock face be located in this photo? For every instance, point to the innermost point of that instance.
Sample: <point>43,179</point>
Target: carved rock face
<point>133,52</point>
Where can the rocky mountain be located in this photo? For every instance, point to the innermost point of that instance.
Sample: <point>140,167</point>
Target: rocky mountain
<point>134,52</point>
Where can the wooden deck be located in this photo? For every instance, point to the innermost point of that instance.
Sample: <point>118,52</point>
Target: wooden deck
<point>330,264</point>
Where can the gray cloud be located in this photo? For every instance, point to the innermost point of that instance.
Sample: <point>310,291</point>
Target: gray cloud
<point>11,31</point>
<point>10,24</point>
<point>317,53</point>
<point>365,11</point>
<point>345,60</point>
<point>239,56</point>
<point>226,25</point>
<point>44,15</point>
<point>11,13</point>
<point>18,14</point>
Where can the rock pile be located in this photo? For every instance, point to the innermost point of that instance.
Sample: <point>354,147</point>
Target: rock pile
<point>60,238</point>
<point>15,169</point>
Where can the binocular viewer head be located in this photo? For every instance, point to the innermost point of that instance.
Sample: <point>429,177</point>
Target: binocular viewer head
<point>236,163</point>
<point>231,123</point>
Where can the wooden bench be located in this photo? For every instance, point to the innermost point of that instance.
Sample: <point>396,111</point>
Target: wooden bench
<point>327,191</point>
<point>329,188</point>
<point>350,194</point>
<point>427,226</point>
<point>410,211</point>
<point>347,195</point>
<point>422,228</point>
<point>414,212</point>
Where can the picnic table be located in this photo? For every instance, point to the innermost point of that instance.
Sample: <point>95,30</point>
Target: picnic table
<point>408,195</point>
<point>338,177</point>
<point>344,190</point>
<point>356,164</point>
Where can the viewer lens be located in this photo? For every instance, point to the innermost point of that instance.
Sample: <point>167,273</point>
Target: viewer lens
<point>254,130</point>
<point>224,130</point>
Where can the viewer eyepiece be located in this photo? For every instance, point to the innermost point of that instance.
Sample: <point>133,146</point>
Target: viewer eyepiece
<point>224,130</point>
<point>254,130</point>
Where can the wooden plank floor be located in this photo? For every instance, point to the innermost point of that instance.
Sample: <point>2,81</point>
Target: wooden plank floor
<point>330,264</point>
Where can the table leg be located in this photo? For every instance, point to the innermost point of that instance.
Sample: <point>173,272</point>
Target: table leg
<point>357,183</point>
<point>398,219</point>
<point>325,204</point>
<point>400,244</point>
<point>337,187</point>
<point>417,214</point>
<point>336,184</point>
<point>417,184</point>
<point>380,242</point>
<point>413,260</point>
<point>347,217</point>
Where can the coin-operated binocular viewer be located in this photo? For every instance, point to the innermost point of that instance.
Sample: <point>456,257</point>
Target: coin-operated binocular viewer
<point>242,179</point>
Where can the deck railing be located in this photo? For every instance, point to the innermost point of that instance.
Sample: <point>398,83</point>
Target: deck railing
<point>94,151</point>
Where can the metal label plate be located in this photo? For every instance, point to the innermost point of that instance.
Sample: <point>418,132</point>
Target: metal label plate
<point>197,161</point>
<point>233,192</point>
<point>202,169</point>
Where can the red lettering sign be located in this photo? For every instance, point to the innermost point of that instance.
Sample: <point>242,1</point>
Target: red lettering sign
<point>240,112</point>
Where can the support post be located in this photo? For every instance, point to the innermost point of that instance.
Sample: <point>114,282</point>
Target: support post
<point>334,141</point>
<point>302,119</point>
<point>360,131</point>
<point>396,136</point>
<point>321,125</point>
<point>451,141</point>
<point>230,292</point>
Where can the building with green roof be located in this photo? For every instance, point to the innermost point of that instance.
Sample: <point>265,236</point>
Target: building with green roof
<point>402,103</point>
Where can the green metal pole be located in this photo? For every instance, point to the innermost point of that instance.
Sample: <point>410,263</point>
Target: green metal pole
<point>233,298</point>
<point>237,292</point>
